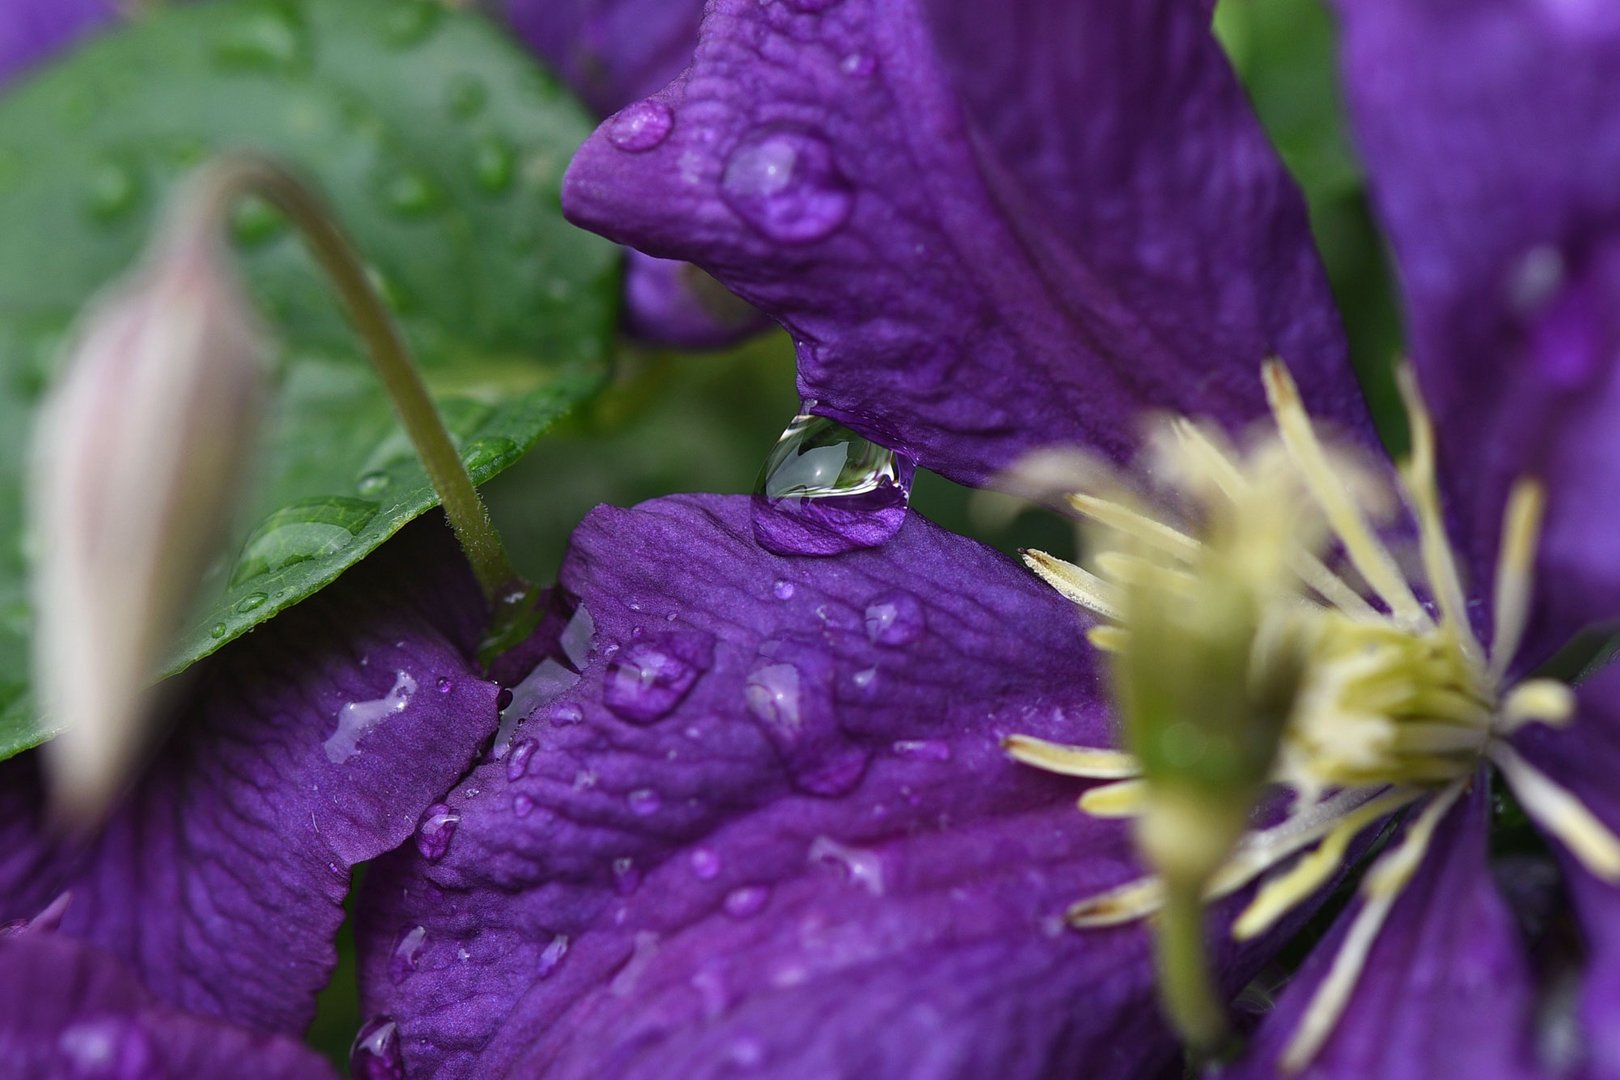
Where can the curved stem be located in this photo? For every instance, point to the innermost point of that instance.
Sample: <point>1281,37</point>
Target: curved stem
<point>226,180</point>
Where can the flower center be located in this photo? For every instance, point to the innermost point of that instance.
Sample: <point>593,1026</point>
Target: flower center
<point>1261,632</point>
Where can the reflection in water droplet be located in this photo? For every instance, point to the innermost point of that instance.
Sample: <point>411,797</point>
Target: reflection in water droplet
<point>746,901</point>
<point>858,865</point>
<point>217,630</point>
<point>466,96</point>
<point>115,190</point>
<point>494,163</point>
<point>375,1053</point>
<point>647,678</point>
<point>552,956</point>
<point>782,590</point>
<point>644,801</point>
<point>825,490</point>
<point>299,532</point>
<point>895,619</point>
<point>705,863</point>
<point>640,126</point>
<point>772,694</point>
<point>251,602</point>
<point>566,716</point>
<point>407,951</point>
<point>444,684</point>
<point>784,183</point>
<point>358,717</point>
<point>436,830</point>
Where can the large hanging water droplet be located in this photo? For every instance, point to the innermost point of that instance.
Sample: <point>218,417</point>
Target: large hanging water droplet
<point>436,830</point>
<point>305,530</point>
<point>825,490</point>
<point>640,126</point>
<point>652,674</point>
<point>375,1053</point>
<point>784,183</point>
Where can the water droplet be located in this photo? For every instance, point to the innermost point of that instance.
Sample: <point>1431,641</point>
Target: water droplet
<point>644,802</point>
<point>466,96</point>
<point>577,636</point>
<point>482,456</point>
<point>217,631</point>
<point>412,194</point>
<point>300,532</point>
<point>859,65</point>
<point>772,694</point>
<point>494,163</point>
<point>746,901</point>
<point>518,763</point>
<point>825,490</point>
<point>254,222</point>
<point>437,829</point>
<point>895,619</point>
<point>705,864</point>
<point>373,483</point>
<point>358,717</point>
<point>375,1053</point>
<point>626,878</point>
<point>539,687</point>
<point>115,190</point>
<point>410,22</point>
<point>652,674</point>
<point>784,183</point>
<point>922,749</point>
<point>640,126</point>
<point>251,602</point>
<point>864,678</point>
<point>782,590</point>
<point>858,865</point>
<point>552,956</point>
<point>106,1048</point>
<point>269,39</point>
<point>407,951</point>
<point>567,716</point>
<point>444,684</point>
<point>522,805</point>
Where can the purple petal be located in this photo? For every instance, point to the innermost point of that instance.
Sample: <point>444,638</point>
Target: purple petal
<point>674,303</point>
<point>33,30</point>
<point>1062,214</point>
<point>1492,143</point>
<point>1445,991</point>
<point>1585,759</point>
<point>312,745</point>
<point>610,52</point>
<point>71,1010</point>
<point>806,856</point>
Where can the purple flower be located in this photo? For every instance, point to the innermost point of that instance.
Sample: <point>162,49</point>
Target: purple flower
<point>989,234</point>
<point>32,30</point>
<point>217,887</point>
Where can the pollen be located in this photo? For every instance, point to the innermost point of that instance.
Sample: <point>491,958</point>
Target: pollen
<point>1266,599</point>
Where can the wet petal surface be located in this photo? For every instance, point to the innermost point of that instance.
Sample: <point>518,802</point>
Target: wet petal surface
<point>312,745</point>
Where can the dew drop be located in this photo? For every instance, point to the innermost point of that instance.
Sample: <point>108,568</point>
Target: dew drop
<point>407,951</point>
<point>652,674</point>
<point>518,763</point>
<point>539,687</point>
<point>412,194</point>
<point>567,716</point>
<point>375,1053</point>
<point>626,878</point>
<point>705,864</point>
<point>373,483</point>
<point>644,802</point>
<point>115,190</point>
<point>864,678</point>
<point>640,126</point>
<point>483,455</point>
<point>783,182</point>
<point>522,805</point>
<point>552,956</point>
<point>782,590</point>
<point>746,901</point>
<point>358,717</point>
<point>772,694</point>
<point>444,684</point>
<point>251,602</point>
<point>858,65</point>
<point>217,631</point>
<point>858,865</point>
<point>437,829</point>
<point>302,531</point>
<point>895,619</point>
<point>494,164</point>
<point>825,490</point>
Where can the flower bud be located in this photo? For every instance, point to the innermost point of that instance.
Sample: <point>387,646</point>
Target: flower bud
<point>138,454</point>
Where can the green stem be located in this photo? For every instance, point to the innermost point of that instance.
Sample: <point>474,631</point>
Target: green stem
<point>1187,989</point>
<point>230,178</point>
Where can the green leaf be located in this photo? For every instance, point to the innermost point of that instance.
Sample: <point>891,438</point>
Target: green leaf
<point>441,146</point>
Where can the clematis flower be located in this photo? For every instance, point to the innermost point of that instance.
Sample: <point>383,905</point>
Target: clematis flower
<point>769,825</point>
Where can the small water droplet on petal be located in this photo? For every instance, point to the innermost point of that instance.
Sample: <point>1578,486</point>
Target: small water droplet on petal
<point>522,805</point>
<point>518,763</point>
<point>784,183</point>
<point>825,490</point>
<point>640,126</point>
<point>552,956</point>
<point>356,718</point>
<point>746,901</point>
<point>437,827</point>
<point>705,864</point>
<point>644,802</point>
<point>407,951</point>
<point>375,1053</point>
<point>653,673</point>
<point>782,590</point>
<point>895,619</point>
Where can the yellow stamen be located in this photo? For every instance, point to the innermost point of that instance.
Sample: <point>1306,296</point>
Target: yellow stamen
<point>1074,584</point>
<point>1380,889</point>
<point>1087,762</point>
<point>1109,639</point>
<point>1558,811</point>
<point>1515,565</point>
<point>1361,544</point>
<point>1122,904</point>
<point>1546,701</point>
<point>1136,525</point>
<point>1123,798</point>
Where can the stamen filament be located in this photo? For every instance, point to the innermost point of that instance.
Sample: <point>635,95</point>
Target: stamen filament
<point>1561,813</point>
<point>1521,532</point>
<point>1087,762</point>
<point>1547,701</point>
<point>1075,584</point>
<point>1121,799</point>
<point>1361,544</point>
<point>1109,639</point>
<point>1380,889</point>
<point>1139,526</point>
